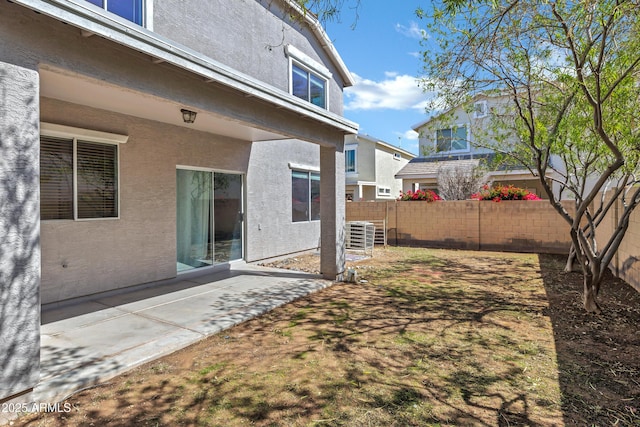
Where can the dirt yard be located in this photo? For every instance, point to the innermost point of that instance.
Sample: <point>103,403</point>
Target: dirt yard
<point>426,338</point>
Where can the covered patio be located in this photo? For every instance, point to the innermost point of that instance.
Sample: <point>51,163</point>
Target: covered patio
<point>93,339</point>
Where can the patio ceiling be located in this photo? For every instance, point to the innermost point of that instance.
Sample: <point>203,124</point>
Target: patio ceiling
<point>98,94</point>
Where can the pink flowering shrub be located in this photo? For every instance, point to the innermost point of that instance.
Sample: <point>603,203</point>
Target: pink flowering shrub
<point>505,192</point>
<point>428,196</point>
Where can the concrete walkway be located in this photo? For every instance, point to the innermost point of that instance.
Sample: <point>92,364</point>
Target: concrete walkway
<point>96,339</point>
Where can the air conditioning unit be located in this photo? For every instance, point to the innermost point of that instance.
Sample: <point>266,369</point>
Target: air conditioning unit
<point>360,236</point>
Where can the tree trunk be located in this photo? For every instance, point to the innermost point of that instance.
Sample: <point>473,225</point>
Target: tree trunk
<point>568,268</point>
<point>591,295</point>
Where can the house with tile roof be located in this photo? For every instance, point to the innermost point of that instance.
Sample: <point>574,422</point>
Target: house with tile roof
<point>457,139</point>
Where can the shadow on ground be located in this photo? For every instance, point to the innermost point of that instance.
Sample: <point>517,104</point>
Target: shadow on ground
<point>598,363</point>
<point>456,338</point>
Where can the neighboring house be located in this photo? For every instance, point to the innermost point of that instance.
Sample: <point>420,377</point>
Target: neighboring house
<point>449,140</point>
<point>370,168</point>
<point>109,179</point>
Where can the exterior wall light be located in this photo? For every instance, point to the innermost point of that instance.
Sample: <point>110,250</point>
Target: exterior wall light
<point>188,116</point>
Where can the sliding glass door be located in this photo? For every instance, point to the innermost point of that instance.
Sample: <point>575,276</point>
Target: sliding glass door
<point>227,208</point>
<point>209,218</point>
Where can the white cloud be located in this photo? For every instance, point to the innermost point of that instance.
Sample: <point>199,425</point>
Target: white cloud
<point>412,31</point>
<point>410,135</point>
<point>395,92</point>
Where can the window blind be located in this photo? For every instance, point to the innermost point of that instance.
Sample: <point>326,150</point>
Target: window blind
<point>97,180</point>
<point>56,178</point>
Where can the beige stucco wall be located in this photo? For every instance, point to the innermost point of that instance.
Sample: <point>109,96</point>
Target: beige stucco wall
<point>375,163</point>
<point>387,166</point>
<point>365,161</point>
<point>85,257</point>
<point>478,129</point>
<point>249,36</point>
<point>270,230</point>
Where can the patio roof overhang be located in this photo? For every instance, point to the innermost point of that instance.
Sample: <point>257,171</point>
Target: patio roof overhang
<point>91,21</point>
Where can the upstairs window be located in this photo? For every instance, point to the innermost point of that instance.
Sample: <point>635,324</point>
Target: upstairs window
<point>480,109</point>
<point>132,10</point>
<point>308,78</point>
<point>350,160</point>
<point>452,139</point>
<point>309,86</point>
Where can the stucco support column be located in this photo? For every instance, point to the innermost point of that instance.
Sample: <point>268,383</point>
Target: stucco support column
<point>332,212</point>
<point>19,231</point>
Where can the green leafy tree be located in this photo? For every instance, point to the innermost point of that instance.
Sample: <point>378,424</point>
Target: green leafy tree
<point>570,72</point>
<point>325,10</point>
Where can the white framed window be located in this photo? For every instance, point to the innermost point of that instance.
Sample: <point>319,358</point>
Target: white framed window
<point>479,109</point>
<point>397,156</point>
<point>79,173</point>
<point>350,159</point>
<point>308,86</point>
<point>131,10</point>
<point>308,79</point>
<point>305,196</point>
<point>384,191</point>
<point>453,139</point>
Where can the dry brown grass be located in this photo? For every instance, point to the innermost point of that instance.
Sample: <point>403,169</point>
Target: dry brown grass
<point>432,338</point>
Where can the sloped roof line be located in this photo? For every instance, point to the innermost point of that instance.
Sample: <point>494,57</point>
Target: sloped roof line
<point>385,144</point>
<point>431,169</point>
<point>474,98</point>
<point>326,42</point>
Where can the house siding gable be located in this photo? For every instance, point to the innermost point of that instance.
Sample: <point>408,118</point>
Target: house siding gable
<point>477,129</point>
<point>250,36</point>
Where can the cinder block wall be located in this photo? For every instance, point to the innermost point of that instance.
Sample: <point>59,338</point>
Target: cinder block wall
<point>519,226</point>
<point>522,226</point>
<point>442,225</point>
<point>357,211</point>
<point>626,263</point>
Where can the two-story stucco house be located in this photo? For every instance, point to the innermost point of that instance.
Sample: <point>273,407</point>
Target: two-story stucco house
<point>370,168</point>
<point>451,140</point>
<point>145,139</point>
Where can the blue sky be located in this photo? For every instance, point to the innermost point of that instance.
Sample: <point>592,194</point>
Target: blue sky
<point>383,54</point>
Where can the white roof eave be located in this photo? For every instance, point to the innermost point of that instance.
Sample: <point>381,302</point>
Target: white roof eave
<point>386,145</point>
<point>327,45</point>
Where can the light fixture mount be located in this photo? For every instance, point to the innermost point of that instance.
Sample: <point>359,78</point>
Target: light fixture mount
<point>188,116</point>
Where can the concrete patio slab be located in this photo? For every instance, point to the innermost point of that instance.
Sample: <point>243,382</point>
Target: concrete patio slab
<point>95,339</point>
